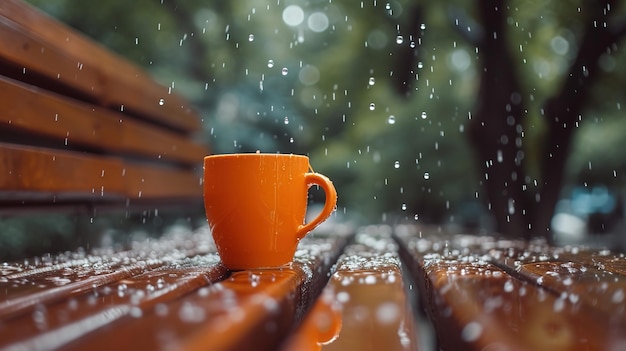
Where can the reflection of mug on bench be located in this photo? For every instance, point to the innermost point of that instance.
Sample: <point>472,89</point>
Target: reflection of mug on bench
<point>256,204</point>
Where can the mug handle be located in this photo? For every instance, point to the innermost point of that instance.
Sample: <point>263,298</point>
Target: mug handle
<point>329,205</point>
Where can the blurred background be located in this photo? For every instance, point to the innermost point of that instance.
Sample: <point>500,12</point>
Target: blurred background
<point>505,117</point>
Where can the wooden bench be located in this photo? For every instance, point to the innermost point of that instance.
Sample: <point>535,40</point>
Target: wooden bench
<point>173,293</point>
<point>484,293</point>
<point>82,127</point>
<point>343,292</point>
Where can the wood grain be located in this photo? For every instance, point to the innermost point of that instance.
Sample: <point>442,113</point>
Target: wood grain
<point>38,43</point>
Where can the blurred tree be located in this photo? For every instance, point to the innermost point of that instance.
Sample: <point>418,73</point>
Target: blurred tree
<point>523,201</point>
<point>491,93</point>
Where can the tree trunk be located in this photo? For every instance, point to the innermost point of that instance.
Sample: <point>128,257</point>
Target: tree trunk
<point>520,206</point>
<point>496,127</point>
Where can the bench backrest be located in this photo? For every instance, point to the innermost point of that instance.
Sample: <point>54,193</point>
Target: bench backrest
<point>79,124</point>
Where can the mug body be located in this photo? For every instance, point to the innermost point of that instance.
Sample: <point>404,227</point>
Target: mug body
<point>254,205</point>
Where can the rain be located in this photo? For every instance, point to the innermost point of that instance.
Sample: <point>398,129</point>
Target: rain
<point>502,118</point>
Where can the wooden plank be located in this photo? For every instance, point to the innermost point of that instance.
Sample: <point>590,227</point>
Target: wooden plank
<point>75,124</point>
<point>37,174</point>
<point>251,310</point>
<point>478,310</point>
<point>58,175</point>
<point>78,294</point>
<point>594,278</point>
<point>149,182</point>
<point>121,84</point>
<point>29,54</point>
<point>33,111</point>
<point>143,96</point>
<point>364,306</point>
<point>159,145</point>
<point>476,302</point>
<point>539,252</point>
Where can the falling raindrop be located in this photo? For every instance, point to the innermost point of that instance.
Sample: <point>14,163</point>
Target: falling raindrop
<point>426,175</point>
<point>403,207</point>
<point>270,63</point>
<point>285,71</point>
<point>286,120</point>
<point>372,106</point>
<point>371,81</point>
<point>424,115</point>
<point>399,39</point>
<point>251,37</point>
<point>161,102</point>
<point>391,119</point>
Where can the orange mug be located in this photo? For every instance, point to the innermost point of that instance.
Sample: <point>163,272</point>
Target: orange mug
<point>256,204</point>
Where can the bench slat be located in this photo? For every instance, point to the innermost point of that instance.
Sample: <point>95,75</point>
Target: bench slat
<point>112,81</point>
<point>133,282</point>
<point>476,299</point>
<point>147,182</point>
<point>56,176</point>
<point>23,280</point>
<point>593,278</point>
<point>364,306</point>
<point>477,311</point>
<point>71,123</point>
<point>250,310</point>
<point>27,54</point>
<point>599,259</point>
<point>125,299</point>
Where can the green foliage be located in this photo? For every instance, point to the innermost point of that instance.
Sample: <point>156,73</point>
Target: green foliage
<point>352,96</point>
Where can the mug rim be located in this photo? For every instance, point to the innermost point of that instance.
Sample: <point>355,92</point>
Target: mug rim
<point>253,155</point>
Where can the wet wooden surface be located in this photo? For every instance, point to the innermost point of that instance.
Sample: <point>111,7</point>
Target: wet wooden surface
<point>484,293</point>
<point>365,305</point>
<point>174,293</point>
<point>343,292</point>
